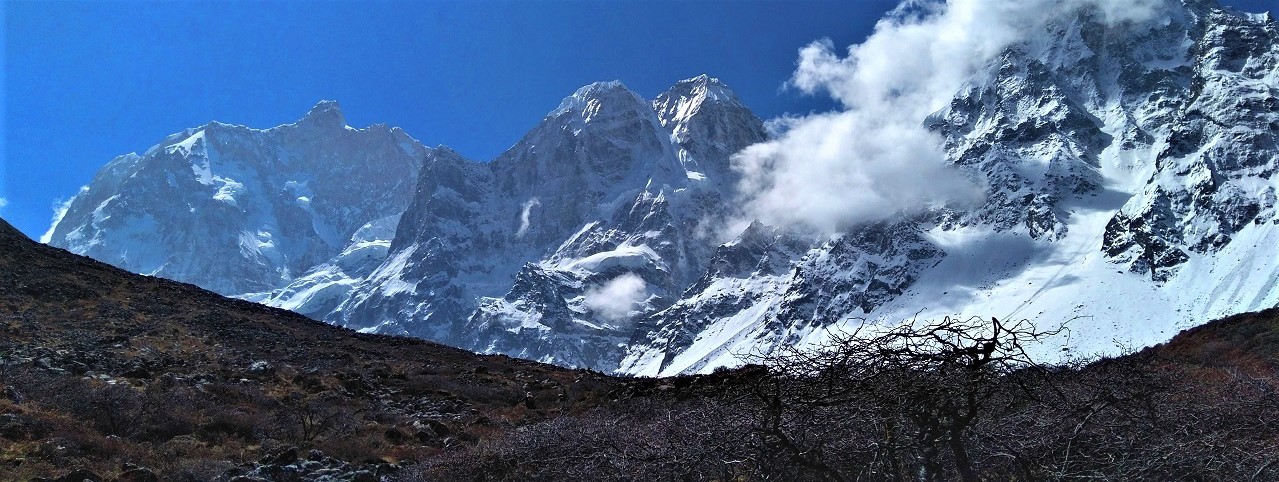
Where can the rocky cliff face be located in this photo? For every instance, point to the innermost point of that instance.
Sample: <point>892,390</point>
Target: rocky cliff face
<point>239,210</point>
<point>1129,170</point>
<point>1130,185</point>
<point>515,255</point>
<point>1215,158</point>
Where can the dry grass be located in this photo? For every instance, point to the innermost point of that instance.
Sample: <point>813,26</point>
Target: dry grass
<point>106,367</point>
<point>101,368</point>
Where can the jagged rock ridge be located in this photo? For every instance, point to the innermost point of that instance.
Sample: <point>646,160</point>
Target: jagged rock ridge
<point>239,210</point>
<point>503,256</point>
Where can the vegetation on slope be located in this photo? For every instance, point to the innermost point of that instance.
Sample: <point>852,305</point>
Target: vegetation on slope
<point>108,375</point>
<point>859,410</point>
<point>102,368</point>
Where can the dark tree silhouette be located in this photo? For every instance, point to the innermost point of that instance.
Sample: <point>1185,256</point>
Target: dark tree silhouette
<point>914,388</point>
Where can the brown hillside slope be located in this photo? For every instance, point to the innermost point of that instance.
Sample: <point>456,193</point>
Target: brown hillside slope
<point>102,371</point>
<point>101,367</point>
<point>1248,341</point>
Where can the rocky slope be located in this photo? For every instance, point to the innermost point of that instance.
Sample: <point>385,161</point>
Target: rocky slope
<point>108,375</point>
<point>103,369</point>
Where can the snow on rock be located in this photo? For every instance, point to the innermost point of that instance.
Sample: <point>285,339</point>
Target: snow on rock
<point>1131,177</point>
<point>240,210</point>
<point>601,190</point>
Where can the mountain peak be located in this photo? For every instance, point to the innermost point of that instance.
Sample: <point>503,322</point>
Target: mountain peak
<point>602,86</point>
<point>590,99</point>
<point>326,113</point>
<point>684,99</point>
<point>703,80</point>
<point>704,97</point>
<point>700,89</point>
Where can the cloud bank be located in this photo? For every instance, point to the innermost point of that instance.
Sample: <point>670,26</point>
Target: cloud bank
<point>874,159</point>
<point>615,299</point>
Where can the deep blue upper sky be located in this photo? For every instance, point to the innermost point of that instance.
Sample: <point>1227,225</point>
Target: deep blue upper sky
<point>86,81</point>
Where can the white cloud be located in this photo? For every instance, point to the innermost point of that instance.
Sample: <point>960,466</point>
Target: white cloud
<point>527,209</point>
<point>873,158</point>
<point>4,203</point>
<point>60,208</point>
<point>615,299</point>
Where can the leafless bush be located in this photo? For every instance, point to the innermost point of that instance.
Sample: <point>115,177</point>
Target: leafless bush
<point>962,400</point>
<point>888,402</point>
<point>636,440</point>
<point>301,418</point>
<point>1141,418</point>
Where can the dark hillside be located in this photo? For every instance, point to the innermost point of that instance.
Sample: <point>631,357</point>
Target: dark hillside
<point>109,375</point>
<point>1247,341</point>
<point>101,367</point>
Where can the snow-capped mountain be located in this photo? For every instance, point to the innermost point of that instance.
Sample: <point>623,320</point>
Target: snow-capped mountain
<point>239,210</point>
<point>1129,172</point>
<point>1130,175</point>
<point>524,254</point>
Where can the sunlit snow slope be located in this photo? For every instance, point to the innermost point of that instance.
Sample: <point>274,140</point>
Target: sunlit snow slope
<point>1131,179</point>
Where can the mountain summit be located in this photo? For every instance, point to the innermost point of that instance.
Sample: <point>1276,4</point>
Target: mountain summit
<point>326,114</point>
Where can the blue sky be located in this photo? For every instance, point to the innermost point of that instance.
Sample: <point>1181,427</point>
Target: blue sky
<point>86,81</point>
